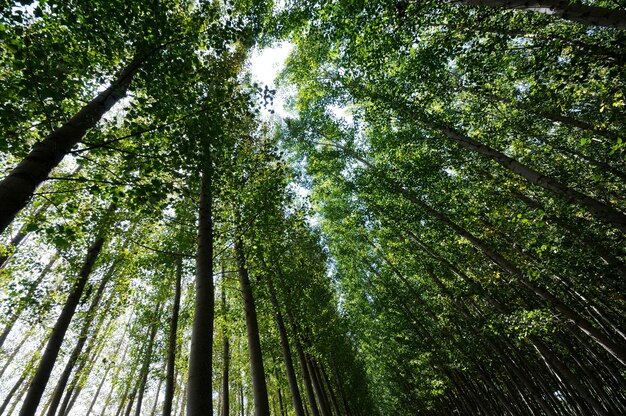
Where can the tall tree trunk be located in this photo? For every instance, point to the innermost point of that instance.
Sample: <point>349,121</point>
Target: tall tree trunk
<point>21,235</point>
<point>97,340</point>
<point>118,368</point>
<point>170,382</point>
<point>600,210</point>
<point>11,393</point>
<point>259,387</point>
<point>156,398</point>
<point>97,393</point>
<point>18,187</point>
<point>40,379</point>
<point>284,343</point>
<point>333,398</point>
<point>306,376</point>
<point>145,367</point>
<point>589,15</point>
<point>16,350</point>
<point>82,339</point>
<point>225,355</point>
<point>18,312</point>
<point>199,386</point>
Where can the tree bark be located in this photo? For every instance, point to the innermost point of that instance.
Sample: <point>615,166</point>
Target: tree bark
<point>284,343</point>
<point>18,187</point>
<point>78,348</point>
<point>225,356</point>
<point>40,379</point>
<point>600,210</point>
<point>259,387</point>
<point>170,382</point>
<point>199,386</point>
<point>13,319</point>
<point>589,15</point>
<point>145,367</point>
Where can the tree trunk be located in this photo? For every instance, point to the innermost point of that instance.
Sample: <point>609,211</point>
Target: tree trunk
<point>156,398</point>
<point>598,209</point>
<point>40,379</point>
<point>589,15</point>
<point>78,348</point>
<point>11,393</point>
<point>97,394</point>
<point>259,387</point>
<point>81,374</point>
<point>199,386</point>
<point>226,357</point>
<point>18,187</point>
<point>16,350</point>
<point>29,295</point>
<point>284,343</point>
<point>306,376</point>
<point>145,367</point>
<point>170,382</point>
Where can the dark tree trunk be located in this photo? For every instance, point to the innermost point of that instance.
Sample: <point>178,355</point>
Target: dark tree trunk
<point>170,382</point>
<point>306,376</point>
<point>199,386</point>
<point>40,379</point>
<point>226,356</point>
<point>145,367</point>
<point>259,387</point>
<point>78,348</point>
<point>11,393</point>
<point>97,393</point>
<point>18,187</point>
<point>589,15</point>
<point>598,209</point>
<point>284,343</point>
<point>29,294</point>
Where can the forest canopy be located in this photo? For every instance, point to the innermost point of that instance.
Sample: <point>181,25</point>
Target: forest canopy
<point>423,214</point>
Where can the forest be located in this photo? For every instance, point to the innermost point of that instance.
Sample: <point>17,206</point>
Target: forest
<point>423,214</point>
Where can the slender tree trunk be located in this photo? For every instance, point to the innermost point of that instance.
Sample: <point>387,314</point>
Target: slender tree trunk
<point>326,380</point>
<point>156,398</point>
<point>21,235</point>
<point>18,187</point>
<point>11,393</point>
<point>76,386</point>
<point>115,377</point>
<point>259,387</point>
<point>284,343</point>
<point>199,386</point>
<point>40,380</point>
<point>78,348</point>
<point>589,15</point>
<point>170,382</point>
<point>600,210</point>
<point>17,349</point>
<point>145,368</point>
<point>15,316</point>
<point>226,356</point>
<point>97,394</point>
<point>306,376</point>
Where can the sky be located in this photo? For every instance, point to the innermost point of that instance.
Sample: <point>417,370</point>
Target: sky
<point>265,64</point>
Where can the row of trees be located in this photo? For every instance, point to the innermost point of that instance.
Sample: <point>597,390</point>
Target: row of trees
<point>466,168</point>
<point>467,163</point>
<point>105,310</point>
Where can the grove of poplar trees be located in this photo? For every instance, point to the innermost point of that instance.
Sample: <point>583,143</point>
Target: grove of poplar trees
<point>434,224</point>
